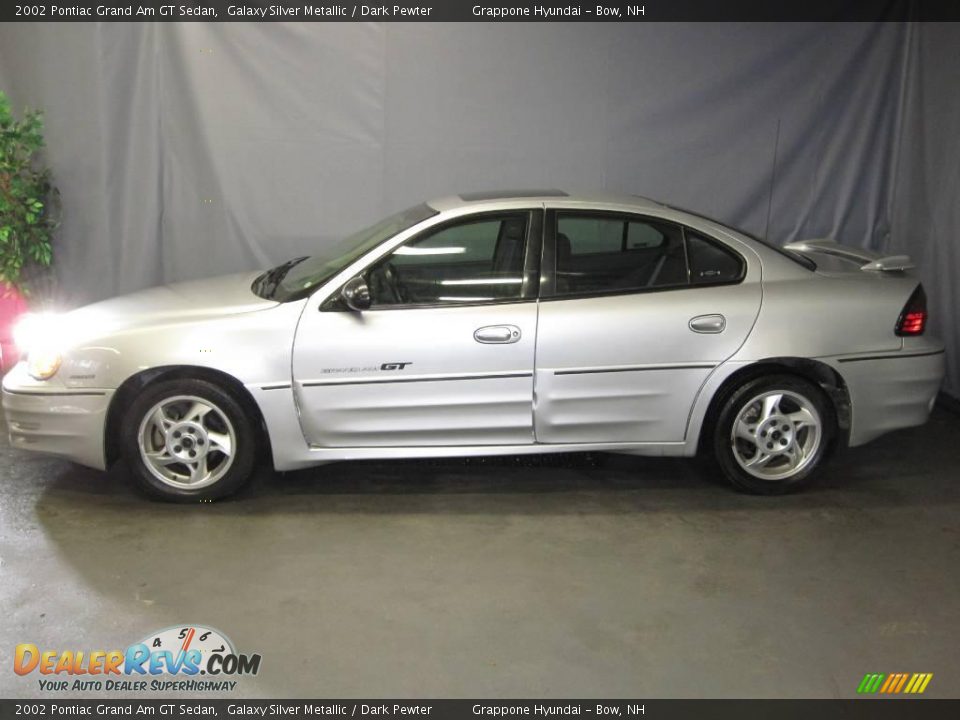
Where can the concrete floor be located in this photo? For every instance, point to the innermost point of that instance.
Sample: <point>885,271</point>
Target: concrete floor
<point>504,579</point>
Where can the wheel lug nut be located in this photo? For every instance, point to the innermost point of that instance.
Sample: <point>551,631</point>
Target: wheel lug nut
<point>786,427</point>
<point>769,446</point>
<point>193,453</point>
<point>763,433</point>
<point>177,448</point>
<point>199,441</point>
<point>176,434</point>
<point>783,441</point>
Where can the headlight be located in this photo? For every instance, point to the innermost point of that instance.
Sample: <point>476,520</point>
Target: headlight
<point>39,338</point>
<point>42,364</point>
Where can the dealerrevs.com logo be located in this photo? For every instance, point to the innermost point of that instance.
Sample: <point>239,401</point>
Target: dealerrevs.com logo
<point>182,658</point>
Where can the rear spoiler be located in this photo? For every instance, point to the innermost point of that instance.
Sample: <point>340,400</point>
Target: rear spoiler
<point>869,260</point>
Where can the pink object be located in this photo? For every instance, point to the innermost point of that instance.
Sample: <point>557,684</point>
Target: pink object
<point>12,306</point>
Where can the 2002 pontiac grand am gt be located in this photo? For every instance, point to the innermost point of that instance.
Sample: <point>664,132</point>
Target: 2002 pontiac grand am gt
<point>490,324</point>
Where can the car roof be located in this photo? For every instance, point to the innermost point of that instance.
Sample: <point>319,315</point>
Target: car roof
<point>538,196</point>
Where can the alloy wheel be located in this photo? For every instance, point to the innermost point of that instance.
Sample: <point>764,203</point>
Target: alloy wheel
<point>776,434</point>
<point>187,442</point>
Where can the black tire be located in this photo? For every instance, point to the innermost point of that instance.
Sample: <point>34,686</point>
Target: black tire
<point>226,415</point>
<point>727,449</point>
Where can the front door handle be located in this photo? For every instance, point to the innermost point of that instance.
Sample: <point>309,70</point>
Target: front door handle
<point>708,323</point>
<point>497,334</point>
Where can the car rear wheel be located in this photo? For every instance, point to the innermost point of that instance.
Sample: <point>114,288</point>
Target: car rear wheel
<point>772,434</point>
<point>188,441</point>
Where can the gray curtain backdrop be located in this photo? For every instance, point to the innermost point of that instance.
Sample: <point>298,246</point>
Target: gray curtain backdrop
<point>185,150</point>
<point>926,208</point>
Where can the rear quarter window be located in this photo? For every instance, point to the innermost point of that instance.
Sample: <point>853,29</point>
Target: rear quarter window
<point>709,262</point>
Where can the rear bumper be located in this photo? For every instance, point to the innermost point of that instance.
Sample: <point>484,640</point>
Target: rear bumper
<point>56,420</point>
<point>889,391</point>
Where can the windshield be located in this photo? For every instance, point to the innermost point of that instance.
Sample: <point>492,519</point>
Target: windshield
<point>297,278</point>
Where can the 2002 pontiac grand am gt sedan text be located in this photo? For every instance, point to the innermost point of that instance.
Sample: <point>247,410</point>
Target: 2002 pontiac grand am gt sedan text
<point>490,324</point>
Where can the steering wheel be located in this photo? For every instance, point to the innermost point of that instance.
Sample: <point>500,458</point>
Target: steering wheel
<point>391,285</point>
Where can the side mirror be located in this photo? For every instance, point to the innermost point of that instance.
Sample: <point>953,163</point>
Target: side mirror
<point>356,294</point>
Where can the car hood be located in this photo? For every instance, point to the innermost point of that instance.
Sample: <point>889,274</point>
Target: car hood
<point>180,302</point>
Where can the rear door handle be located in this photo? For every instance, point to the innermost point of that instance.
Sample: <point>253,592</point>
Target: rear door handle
<point>708,323</point>
<point>497,334</point>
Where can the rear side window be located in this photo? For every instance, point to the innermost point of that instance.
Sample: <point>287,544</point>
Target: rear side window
<point>610,253</point>
<point>595,254</point>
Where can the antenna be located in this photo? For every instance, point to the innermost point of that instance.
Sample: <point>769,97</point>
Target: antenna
<point>773,179</point>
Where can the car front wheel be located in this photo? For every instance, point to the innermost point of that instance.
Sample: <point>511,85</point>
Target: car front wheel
<point>772,433</point>
<point>188,441</point>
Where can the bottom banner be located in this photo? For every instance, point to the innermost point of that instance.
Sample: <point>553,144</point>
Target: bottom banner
<point>874,709</point>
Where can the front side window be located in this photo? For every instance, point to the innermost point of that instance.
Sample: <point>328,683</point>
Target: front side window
<point>477,260</point>
<point>598,253</point>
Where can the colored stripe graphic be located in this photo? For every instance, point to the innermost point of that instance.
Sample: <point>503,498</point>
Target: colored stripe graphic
<point>895,683</point>
<point>870,683</point>
<point>918,683</point>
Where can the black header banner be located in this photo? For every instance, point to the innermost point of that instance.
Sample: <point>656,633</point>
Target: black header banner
<point>476,11</point>
<point>874,709</point>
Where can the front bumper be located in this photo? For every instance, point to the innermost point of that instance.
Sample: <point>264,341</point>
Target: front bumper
<point>51,418</point>
<point>8,356</point>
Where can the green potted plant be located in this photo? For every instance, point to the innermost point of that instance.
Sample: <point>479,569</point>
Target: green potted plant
<point>26,220</point>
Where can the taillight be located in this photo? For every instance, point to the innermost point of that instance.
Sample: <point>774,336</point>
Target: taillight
<point>913,317</point>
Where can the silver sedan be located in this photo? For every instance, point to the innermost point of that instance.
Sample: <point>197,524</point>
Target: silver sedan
<point>490,324</point>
